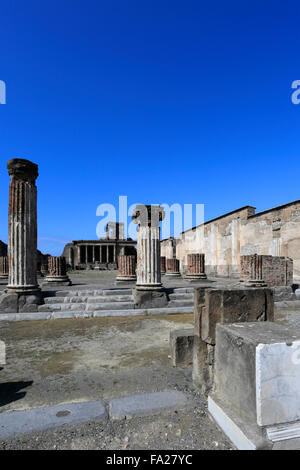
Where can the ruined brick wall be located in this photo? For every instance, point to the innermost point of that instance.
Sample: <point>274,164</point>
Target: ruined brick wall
<point>276,270</point>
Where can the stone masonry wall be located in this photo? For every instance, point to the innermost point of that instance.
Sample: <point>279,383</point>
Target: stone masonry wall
<point>276,270</point>
<point>223,240</point>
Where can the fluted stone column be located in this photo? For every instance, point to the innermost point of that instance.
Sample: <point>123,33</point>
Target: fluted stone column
<point>172,267</point>
<point>196,267</point>
<point>126,266</point>
<point>163,264</point>
<point>148,246</point>
<point>22,227</point>
<point>57,272</point>
<point>3,267</point>
<point>251,271</point>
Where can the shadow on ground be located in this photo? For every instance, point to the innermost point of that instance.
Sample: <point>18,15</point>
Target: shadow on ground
<point>10,391</point>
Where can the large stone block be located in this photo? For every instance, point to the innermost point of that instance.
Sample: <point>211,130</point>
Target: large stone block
<point>257,371</point>
<point>256,398</point>
<point>181,345</point>
<point>234,305</point>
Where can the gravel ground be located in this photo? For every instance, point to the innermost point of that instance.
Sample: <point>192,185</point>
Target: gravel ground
<point>186,429</point>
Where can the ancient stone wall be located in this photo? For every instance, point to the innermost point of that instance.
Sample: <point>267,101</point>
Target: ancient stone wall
<point>275,270</point>
<point>274,232</point>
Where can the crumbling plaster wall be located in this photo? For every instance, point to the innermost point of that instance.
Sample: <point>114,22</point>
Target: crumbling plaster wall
<point>275,232</point>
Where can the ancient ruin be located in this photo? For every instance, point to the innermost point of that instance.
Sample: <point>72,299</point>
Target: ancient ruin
<point>99,254</point>
<point>172,267</point>
<point>3,267</point>
<point>234,334</point>
<point>57,272</point>
<point>195,267</point>
<point>127,267</point>
<point>274,232</point>
<point>148,246</point>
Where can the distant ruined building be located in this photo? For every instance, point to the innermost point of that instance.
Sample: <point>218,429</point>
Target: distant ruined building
<point>224,239</point>
<point>99,254</point>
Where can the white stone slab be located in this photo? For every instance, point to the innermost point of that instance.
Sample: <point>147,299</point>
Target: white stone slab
<point>230,428</point>
<point>277,383</point>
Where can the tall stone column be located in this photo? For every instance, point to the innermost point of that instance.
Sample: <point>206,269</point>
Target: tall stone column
<point>57,272</point>
<point>22,227</point>
<point>172,267</point>
<point>3,267</point>
<point>126,265</point>
<point>148,246</point>
<point>196,267</point>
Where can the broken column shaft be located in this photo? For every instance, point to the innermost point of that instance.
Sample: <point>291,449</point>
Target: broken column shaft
<point>57,272</point>
<point>126,266</point>
<point>172,267</point>
<point>196,266</point>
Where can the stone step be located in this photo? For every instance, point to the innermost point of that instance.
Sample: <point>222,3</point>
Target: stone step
<point>110,306</point>
<point>183,290</point>
<point>181,303</point>
<point>117,292</point>
<point>62,306</point>
<point>101,313</point>
<point>110,298</point>
<point>93,299</point>
<point>185,296</point>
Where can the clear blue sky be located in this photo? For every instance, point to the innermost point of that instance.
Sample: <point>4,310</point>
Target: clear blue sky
<point>162,101</point>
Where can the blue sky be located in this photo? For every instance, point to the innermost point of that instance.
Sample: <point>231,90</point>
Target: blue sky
<point>161,101</point>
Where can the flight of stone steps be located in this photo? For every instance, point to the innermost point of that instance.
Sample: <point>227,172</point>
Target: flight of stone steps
<point>112,302</point>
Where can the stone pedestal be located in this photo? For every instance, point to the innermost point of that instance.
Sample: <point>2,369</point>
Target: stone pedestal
<point>255,278</point>
<point>57,272</point>
<point>172,267</point>
<point>196,267</point>
<point>257,385</point>
<point>163,265</point>
<point>3,267</point>
<point>148,246</point>
<point>23,293</point>
<point>126,264</point>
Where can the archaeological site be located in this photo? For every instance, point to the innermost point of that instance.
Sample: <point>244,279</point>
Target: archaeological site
<point>149,229</point>
<point>137,330</point>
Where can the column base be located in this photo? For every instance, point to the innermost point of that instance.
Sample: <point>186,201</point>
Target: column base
<point>4,277</point>
<point>57,281</point>
<point>23,290</point>
<point>173,274</point>
<point>20,302</point>
<point>254,283</point>
<point>126,279</point>
<point>150,287</point>
<point>195,277</point>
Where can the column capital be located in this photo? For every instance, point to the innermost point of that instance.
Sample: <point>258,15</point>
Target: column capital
<point>148,215</point>
<point>22,169</point>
